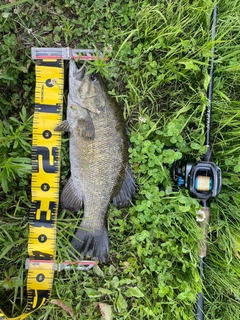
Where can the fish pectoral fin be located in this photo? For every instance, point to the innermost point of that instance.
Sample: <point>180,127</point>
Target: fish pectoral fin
<point>71,199</point>
<point>86,127</point>
<point>90,243</point>
<point>127,191</point>
<point>62,126</point>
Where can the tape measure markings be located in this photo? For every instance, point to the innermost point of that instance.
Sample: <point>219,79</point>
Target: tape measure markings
<point>45,183</point>
<point>45,179</point>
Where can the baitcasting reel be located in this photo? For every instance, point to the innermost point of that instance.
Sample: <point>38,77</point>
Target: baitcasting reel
<point>202,179</point>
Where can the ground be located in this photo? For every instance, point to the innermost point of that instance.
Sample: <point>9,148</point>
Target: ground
<point>158,72</point>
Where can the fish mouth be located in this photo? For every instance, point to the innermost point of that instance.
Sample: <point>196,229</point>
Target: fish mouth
<point>76,73</point>
<point>72,67</point>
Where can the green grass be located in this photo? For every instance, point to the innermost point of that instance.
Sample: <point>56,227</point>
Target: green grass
<point>158,72</point>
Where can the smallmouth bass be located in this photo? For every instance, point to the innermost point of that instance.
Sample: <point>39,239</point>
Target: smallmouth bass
<point>98,151</point>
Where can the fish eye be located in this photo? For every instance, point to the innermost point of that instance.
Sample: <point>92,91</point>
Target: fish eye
<point>93,77</point>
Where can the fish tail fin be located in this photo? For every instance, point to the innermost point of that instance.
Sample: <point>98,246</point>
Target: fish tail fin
<point>91,243</point>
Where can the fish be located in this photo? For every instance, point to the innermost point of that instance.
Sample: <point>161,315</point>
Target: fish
<point>98,152</point>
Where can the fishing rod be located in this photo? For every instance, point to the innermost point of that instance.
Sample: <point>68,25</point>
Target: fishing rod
<point>204,178</point>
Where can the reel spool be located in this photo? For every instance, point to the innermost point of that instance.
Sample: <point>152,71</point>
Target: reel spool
<point>203,179</point>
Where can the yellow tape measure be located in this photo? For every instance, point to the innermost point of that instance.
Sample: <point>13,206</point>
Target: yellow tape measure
<point>45,183</point>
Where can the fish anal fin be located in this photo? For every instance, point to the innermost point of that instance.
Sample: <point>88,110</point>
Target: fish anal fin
<point>127,191</point>
<point>90,244</point>
<point>62,126</point>
<point>71,199</point>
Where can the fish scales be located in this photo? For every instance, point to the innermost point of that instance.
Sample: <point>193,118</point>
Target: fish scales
<point>96,165</point>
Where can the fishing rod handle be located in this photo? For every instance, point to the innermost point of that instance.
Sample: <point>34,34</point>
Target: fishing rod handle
<point>204,219</point>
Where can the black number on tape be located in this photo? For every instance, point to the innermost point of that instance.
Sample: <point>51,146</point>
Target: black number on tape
<point>43,218</point>
<point>45,153</point>
<point>38,255</point>
<point>47,108</point>
<point>41,295</point>
<point>46,63</point>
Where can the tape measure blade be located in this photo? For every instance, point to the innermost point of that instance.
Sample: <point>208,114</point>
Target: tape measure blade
<point>45,180</point>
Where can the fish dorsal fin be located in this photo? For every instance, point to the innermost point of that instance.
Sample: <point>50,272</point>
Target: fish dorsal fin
<point>71,199</point>
<point>127,191</point>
